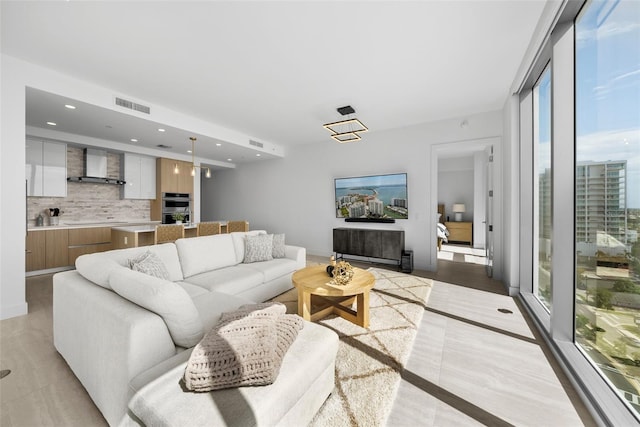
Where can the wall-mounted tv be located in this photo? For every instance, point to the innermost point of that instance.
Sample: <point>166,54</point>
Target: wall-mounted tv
<point>372,197</point>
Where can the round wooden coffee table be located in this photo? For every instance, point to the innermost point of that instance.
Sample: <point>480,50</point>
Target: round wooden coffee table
<point>330,298</point>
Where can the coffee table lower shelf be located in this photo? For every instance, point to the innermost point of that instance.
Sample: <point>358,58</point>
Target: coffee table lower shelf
<point>316,307</point>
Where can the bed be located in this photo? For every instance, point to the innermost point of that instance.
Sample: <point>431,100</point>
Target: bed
<point>441,229</point>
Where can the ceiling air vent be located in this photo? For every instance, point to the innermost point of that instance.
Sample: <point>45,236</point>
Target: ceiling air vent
<point>256,143</point>
<point>133,106</point>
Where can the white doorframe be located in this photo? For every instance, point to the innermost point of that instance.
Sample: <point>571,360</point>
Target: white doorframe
<point>469,146</point>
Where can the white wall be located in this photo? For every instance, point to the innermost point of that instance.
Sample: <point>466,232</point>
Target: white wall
<point>463,180</point>
<point>295,195</point>
<point>455,185</point>
<point>12,191</point>
<point>511,184</point>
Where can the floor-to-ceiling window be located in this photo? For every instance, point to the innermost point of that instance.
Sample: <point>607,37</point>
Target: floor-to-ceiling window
<point>607,70</point>
<point>542,186</point>
<point>580,117</point>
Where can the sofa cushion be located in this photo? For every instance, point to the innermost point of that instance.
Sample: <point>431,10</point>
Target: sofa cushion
<point>258,248</point>
<point>230,280</point>
<point>274,268</point>
<point>159,400</point>
<point>279,250</point>
<point>97,267</point>
<point>205,253</point>
<point>149,263</point>
<point>193,291</point>
<point>165,298</point>
<point>211,305</point>
<point>239,242</point>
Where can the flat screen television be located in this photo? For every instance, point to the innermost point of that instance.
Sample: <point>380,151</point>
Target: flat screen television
<point>372,197</point>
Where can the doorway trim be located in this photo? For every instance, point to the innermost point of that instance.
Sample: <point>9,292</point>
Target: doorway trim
<point>468,147</point>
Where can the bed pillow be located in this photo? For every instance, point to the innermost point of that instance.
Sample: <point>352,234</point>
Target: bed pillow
<point>258,248</point>
<point>278,246</point>
<point>167,299</point>
<point>151,264</point>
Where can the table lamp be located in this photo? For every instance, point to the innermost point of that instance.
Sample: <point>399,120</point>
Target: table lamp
<point>458,208</point>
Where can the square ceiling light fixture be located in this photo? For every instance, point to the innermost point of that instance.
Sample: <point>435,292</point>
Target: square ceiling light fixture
<point>346,130</point>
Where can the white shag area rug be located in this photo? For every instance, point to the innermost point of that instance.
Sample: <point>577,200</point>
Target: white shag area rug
<point>370,360</point>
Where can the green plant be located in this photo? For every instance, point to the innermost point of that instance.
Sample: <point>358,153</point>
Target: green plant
<point>603,299</point>
<point>178,216</point>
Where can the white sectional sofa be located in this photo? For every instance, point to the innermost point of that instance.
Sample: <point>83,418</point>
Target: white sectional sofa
<point>127,335</point>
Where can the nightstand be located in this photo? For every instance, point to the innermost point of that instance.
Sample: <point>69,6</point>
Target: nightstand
<point>461,232</point>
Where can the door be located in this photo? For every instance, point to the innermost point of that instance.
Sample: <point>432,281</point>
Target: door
<point>489,215</point>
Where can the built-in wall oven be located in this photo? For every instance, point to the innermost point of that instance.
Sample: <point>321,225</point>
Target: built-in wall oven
<point>173,203</point>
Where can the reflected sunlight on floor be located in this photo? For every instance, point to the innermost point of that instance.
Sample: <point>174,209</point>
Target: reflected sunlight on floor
<point>459,253</point>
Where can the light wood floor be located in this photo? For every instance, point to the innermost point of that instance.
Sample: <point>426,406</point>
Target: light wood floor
<point>470,365</point>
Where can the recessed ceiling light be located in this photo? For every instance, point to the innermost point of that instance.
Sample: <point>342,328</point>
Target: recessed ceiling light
<point>134,140</point>
<point>228,160</point>
<point>160,130</point>
<point>218,144</point>
<point>70,107</point>
<point>189,151</point>
<point>258,155</point>
<point>52,124</point>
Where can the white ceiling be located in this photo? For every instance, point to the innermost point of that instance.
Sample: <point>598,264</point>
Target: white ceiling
<point>275,71</point>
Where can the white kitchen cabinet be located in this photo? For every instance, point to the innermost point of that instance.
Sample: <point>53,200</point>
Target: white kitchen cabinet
<point>46,168</point>
<point>33,167</point>
<point>140,177</point>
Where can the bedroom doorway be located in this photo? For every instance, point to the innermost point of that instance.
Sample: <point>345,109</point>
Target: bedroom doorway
<point>465,202</point>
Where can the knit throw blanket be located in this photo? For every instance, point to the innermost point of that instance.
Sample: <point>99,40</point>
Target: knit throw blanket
<point>245,348</point>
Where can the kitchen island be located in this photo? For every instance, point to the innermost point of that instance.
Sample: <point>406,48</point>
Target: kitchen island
<point>53,248</point>
<point>134,236</point>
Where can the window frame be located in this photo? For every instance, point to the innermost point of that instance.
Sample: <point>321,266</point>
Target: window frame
<point>558,326</point>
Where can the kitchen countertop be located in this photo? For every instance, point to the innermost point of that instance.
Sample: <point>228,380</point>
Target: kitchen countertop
<point>130,226</point>
<point>148,228</point>
<point>91,224</point>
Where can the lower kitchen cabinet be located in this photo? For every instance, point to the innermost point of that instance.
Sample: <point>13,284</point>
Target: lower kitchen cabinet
<point>87,241</point>
<point>57,248</point>
<point>46,249</point>
<point>35,250</point>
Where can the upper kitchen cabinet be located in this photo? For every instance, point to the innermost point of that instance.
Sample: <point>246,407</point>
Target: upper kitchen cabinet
<point>171,182</point>
<point>46,168</point>
<point>140,177</point>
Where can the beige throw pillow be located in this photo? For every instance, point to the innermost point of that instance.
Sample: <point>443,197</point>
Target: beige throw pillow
<point>149,263</point>
<point>245,348</point>
<point>278,246</point>
<point>258,248</point>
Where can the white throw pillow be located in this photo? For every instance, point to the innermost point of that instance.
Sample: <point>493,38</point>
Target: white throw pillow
<point>149,263</point>
<point>258,248</point>
<point>278,246</point>
<point>167,299</point>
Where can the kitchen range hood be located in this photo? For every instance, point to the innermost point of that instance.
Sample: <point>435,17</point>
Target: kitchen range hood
<point>95,168</point>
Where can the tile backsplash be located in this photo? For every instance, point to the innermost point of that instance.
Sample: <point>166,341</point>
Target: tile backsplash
<point>84,202</point>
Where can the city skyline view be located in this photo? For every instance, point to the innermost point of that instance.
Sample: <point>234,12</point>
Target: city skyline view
<point>375,196</point>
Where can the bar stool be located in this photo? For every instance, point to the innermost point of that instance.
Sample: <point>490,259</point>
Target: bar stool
<point>237,226</point>
<point>168,233</point>
<point>208,228</point>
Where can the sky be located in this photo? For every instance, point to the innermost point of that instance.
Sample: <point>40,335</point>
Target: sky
<point>607,90</point>
<point>377,180</point>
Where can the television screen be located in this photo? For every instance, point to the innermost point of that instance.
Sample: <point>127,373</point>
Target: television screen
<point>374,197</point>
